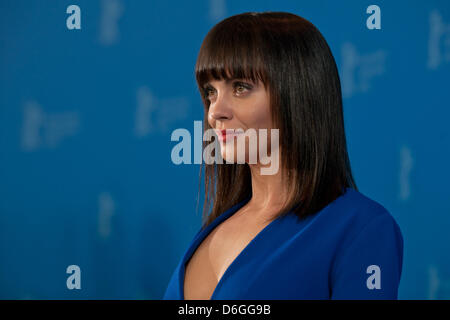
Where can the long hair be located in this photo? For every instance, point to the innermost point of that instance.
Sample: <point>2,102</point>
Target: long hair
<point>292,59</point>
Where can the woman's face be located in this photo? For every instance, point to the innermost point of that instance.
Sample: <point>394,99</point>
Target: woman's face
<point>239,104</point>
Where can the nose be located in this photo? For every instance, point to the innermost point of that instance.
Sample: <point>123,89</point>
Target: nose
<point>219,110</point>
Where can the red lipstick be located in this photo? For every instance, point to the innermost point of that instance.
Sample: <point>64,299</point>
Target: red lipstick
<point>223,135</point>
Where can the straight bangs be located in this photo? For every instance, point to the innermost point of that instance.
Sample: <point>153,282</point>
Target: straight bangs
<point>231,50</point>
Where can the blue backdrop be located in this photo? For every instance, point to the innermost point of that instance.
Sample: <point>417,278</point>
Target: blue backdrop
<point>86,116</point>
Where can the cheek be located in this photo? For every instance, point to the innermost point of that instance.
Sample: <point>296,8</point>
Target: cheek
<point>257,117</point>
<point>261,118</point>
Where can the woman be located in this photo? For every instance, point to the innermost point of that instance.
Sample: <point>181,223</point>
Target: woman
<point>303,231</point>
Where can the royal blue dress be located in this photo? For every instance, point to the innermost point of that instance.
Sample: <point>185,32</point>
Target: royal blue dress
<point>351,249</point>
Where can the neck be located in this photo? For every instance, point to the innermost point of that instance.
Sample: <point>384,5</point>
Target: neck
<point>269,192</point>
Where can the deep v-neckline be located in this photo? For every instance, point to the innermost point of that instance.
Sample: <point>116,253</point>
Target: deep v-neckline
<point>202,236</point>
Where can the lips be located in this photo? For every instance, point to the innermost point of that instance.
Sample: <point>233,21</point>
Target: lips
<point>223,135</point>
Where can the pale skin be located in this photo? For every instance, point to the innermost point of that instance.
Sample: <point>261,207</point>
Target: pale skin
<point>243,104</point>
<point>235,104</point>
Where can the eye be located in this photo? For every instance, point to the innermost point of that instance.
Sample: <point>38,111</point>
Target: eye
<point>241,87</point>
<point>207,91</point>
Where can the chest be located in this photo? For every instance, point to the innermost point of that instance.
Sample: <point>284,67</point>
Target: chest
<point>214,255</point>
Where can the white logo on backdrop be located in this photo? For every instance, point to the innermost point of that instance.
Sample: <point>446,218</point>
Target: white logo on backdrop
<point>156,114</point>
<point>406,165</point>
<point>438,288</point>
<point>217,10</point>
<point>111,11</point>
<point>40,129</point>
<point>106,209</point>
<point>439,32</point>
<point>358,69</point>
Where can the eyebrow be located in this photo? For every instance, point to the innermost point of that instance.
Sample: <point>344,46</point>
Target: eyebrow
<point>227,81</point>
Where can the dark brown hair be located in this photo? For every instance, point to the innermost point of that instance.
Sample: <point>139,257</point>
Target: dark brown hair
<point>292,59</point>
